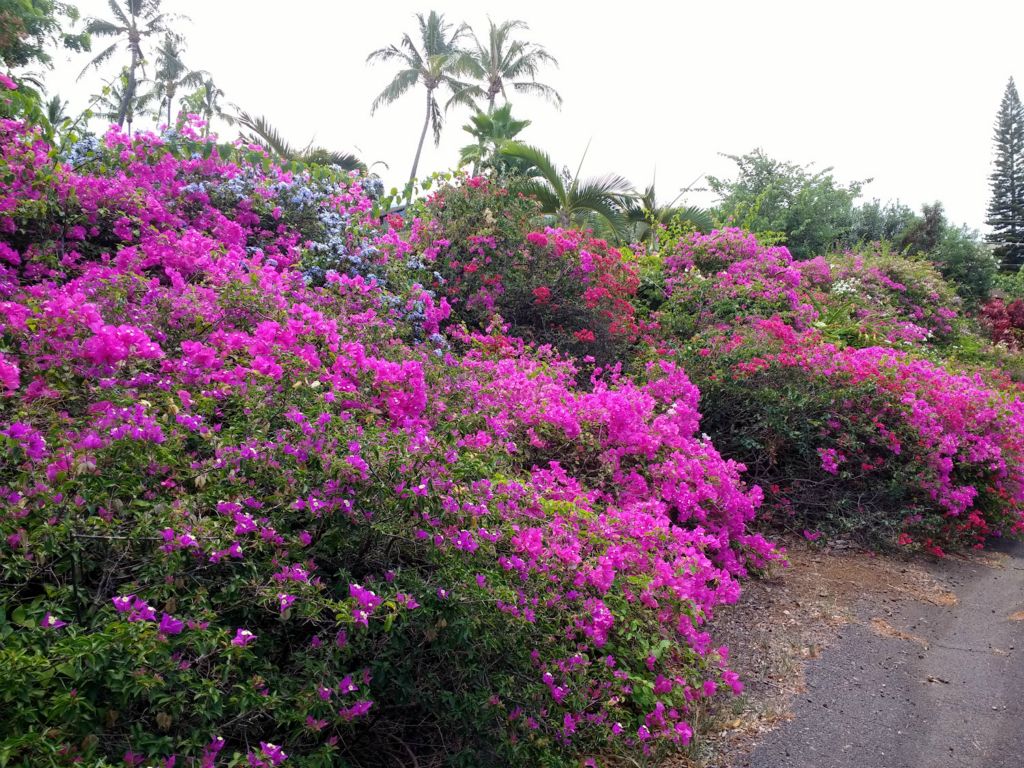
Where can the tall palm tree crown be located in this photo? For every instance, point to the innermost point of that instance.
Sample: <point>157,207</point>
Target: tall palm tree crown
<point>502,60</point>
<point>114,98</point>
<point>206,101</point>
<point>172,74</point>
<point>433,65</point>
<point>133,22</point>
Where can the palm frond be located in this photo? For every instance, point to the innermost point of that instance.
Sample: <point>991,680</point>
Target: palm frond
<point>414,55</point>
<point>265,135</point>
<point>610,185</point>
<point>549,202</point>
<point>103,28</point>
<point>99,59</point>
<point>394,90</point>
<point>344,160</point>
<point>700,218</point>
<point>436,119</point>
<point>539,162</point>
<point>465,95</point>
<point>540,89</point>
<point>115,9</point>
<point>386,54</point>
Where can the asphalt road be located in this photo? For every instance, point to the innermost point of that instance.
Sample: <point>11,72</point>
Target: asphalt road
<point>918,685</point>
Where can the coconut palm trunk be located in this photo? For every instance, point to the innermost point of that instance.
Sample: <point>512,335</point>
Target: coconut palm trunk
<point>129,92</point>
<point>423,135</point>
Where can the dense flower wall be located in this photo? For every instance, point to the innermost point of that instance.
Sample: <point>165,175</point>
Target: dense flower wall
<point>264,502</point>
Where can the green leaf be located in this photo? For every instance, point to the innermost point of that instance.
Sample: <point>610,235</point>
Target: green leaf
<point>18,617</point>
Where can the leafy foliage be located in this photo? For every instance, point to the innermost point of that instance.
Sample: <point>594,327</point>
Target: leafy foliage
<point>809,208</point>
<point>27,27</point>
<point>876,442</point>
<point>491,130</point>
<point>966,262</point>
<point>479,247</point>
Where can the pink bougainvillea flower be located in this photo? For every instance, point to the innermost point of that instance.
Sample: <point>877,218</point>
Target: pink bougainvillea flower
<point>347,686</point>
<point>284,602</point>
<point>49,621</point>
<point>170,625</point>
<point>123,603</point>
<point>359,709</point>
<point>243,637</point>
<point>268,756</point>
<point>366,603</point>
<point>10,374</point>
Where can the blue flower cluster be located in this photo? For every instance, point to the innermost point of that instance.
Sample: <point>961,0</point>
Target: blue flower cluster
<point>81,151</point>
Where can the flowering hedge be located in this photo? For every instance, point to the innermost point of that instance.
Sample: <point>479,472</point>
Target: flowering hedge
<point>861,298</point>
<point>487,252</point>
<point>891,299</point>
<point>875,441</point>
<point>263,505</point>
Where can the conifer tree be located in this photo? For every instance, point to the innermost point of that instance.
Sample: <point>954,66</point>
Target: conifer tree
<point>1006,208</point>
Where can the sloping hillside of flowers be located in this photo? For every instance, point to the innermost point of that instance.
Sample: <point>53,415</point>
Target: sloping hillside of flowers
<point>286,481</point>
<point>264,503</point>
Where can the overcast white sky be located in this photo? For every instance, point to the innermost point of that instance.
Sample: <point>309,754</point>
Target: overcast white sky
<point>901,92</point>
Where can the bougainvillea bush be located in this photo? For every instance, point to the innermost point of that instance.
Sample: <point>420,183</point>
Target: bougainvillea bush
<point>486,251</point>
<point>892,299</point>
<point>875,441</point>
<point>263,504</point>
<point>865,298</point>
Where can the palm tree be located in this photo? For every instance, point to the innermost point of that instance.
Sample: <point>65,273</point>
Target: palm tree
<point>433,66</point>
<point>56,110</point>
<point>647,218</point>
<point>113,102</point>
<point>133,23</point>
<point>596,202</point>
<point>172,74</point>
<point>205,101</point>
<point>266,136</point>
<point>503,60</point>
<point>491,130</point>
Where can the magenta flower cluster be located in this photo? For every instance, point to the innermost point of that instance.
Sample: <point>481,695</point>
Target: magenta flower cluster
<point>277,477</point>
<point>956,437</point>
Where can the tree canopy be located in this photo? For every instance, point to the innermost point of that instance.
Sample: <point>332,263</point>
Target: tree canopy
<point>808,208</point>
